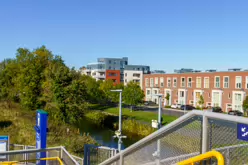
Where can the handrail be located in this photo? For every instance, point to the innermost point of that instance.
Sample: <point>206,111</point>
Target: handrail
<point>204,156</point>
<point>50,158</point>
<point>54,158</point>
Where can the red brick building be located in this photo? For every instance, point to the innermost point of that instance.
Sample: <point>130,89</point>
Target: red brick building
<point>114,75</point>
<point>223,89</point>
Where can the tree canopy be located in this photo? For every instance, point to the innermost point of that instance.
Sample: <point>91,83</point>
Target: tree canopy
<point>133,94</point>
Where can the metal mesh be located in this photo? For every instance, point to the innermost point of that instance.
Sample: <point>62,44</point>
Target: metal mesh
<point>100,154</point>
<point>223,137</point>
<point>67,158</point>
<point>182,139</point>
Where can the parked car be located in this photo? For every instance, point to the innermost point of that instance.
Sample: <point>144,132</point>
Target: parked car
<point>235,113</point>
<point>147,103</point>
<point>217,109</point>
<point>188,107</point>
<point>175,106</point>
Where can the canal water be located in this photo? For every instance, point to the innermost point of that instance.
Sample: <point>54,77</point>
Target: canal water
<point>104,135</point>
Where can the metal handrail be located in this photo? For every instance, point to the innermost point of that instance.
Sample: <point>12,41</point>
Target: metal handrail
<point>50,158</point>
<point>160,132</point>
<point>204,156</point>
<point>54,158</point>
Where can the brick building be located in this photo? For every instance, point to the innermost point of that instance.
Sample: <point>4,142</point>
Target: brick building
<point>225,89</point>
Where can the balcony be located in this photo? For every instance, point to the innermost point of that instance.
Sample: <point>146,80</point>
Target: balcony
<point>100,76</point>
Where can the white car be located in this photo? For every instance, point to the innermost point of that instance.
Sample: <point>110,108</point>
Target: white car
<point>176,106</point>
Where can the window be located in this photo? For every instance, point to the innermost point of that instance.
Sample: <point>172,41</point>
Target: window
<point>181,93</point>
<point>189,82</point>
<point>183,82</point>
<point>151,82</point>
<point>206,82</point>
<point>148,92</point>
<point>155,92</point>
<point>156,81</point>
<point>161,82</point>
<point>174,82</point>
<point>238,82</point>
<point>229,96</point>
<point>246,82</point>
<point>125,74</point>
<point>209,95</point>
<point>168,82</point>
<point>109,67</point>
<point>217,82</point>
<point>147,82</point>
<point>109,61</point>
<point>226,82</point>
<point>198,82</point>
<point>125,80</point>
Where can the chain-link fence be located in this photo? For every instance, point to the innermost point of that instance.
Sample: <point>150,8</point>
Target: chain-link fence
<point>194,133</point>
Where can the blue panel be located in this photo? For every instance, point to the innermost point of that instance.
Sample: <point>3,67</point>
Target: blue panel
<point>242,132</point>
<point>4,138</point>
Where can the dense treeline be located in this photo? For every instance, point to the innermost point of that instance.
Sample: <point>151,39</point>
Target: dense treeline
<point>38,79</point>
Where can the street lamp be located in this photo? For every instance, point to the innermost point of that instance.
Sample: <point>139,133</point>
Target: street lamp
<point>118,132</point>
<point>157,153</point>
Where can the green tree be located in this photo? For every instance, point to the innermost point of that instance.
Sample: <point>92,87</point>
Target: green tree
<point>201,101</point>
<point>245,105</point>
<point>133,94</point>
<point>167,97</point>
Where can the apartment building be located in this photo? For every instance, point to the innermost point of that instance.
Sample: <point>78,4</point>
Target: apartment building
<point>226,89</point>
<point>113,75</point>
<point>135,73</point>
<point>98,69</point>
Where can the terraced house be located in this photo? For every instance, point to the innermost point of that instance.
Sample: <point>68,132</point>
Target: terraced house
<point>226,89</point>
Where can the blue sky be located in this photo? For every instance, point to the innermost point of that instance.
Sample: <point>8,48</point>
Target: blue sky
<point>165,34</point>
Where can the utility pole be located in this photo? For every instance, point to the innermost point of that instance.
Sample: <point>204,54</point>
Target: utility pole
<point>118,133</point>
<point>157,153</point>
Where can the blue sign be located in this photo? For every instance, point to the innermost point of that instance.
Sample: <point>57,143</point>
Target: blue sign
<point>4,138</point>
<point>242,132</point>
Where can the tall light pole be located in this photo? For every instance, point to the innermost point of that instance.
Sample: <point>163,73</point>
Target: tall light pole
<point>157,153</point>
<point>118,132</point>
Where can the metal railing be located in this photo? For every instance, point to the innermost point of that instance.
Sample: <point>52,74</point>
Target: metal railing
<point>31,154</point>
<point>195,133</point>
<point>202,157</point>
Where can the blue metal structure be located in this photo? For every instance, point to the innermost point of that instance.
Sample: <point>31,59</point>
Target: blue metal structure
<point>41,134</point>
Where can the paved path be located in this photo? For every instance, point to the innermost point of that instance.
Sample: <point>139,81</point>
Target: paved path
<point>165,111</point>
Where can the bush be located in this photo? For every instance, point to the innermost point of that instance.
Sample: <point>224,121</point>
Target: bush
<point>96,117</point>
<point>167,106</point>
<point>198,107</point>
<point>133,127</point>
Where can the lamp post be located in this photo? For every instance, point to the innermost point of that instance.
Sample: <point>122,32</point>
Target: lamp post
<point>118,132</point>
<point>157,153</point>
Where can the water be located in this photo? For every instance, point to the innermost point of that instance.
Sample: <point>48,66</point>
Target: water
<point>104,135</point>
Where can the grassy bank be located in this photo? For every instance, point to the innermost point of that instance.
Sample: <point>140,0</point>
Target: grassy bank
<point>19,125</point>
<point>140,115</point>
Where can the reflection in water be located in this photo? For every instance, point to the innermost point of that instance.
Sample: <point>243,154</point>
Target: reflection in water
<point>104,135</point>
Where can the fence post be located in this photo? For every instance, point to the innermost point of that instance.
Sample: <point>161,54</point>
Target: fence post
<point>204,134</point>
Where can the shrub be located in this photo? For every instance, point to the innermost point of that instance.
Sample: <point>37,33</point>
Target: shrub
<point>96,116</point>
<point>167,106</point>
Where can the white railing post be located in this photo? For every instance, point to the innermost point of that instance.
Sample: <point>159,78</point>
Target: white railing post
<point>204,134</point>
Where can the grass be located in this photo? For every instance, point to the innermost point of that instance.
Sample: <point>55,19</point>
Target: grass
<point>19,125</point>
<point>140,115</point>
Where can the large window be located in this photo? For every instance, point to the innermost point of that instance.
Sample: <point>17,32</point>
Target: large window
<point>147,82</point>
<point>217,82</point>
<point>238,82</point>
<point>151,82</point>
<point>189,82</point>
<point>156,81</point>
<point>148,92</point>
<point>182,82</point>
<point>161,82</point>
<point>174,82</point>
<point>168,82</point>
<point>206,82</point>
<point>198,82</point>
<point>226,82</point>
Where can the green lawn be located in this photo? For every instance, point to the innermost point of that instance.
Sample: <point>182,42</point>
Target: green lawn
<point>141,115</point>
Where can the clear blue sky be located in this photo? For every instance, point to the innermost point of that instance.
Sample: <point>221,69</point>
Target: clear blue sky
<point>165,34</point>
